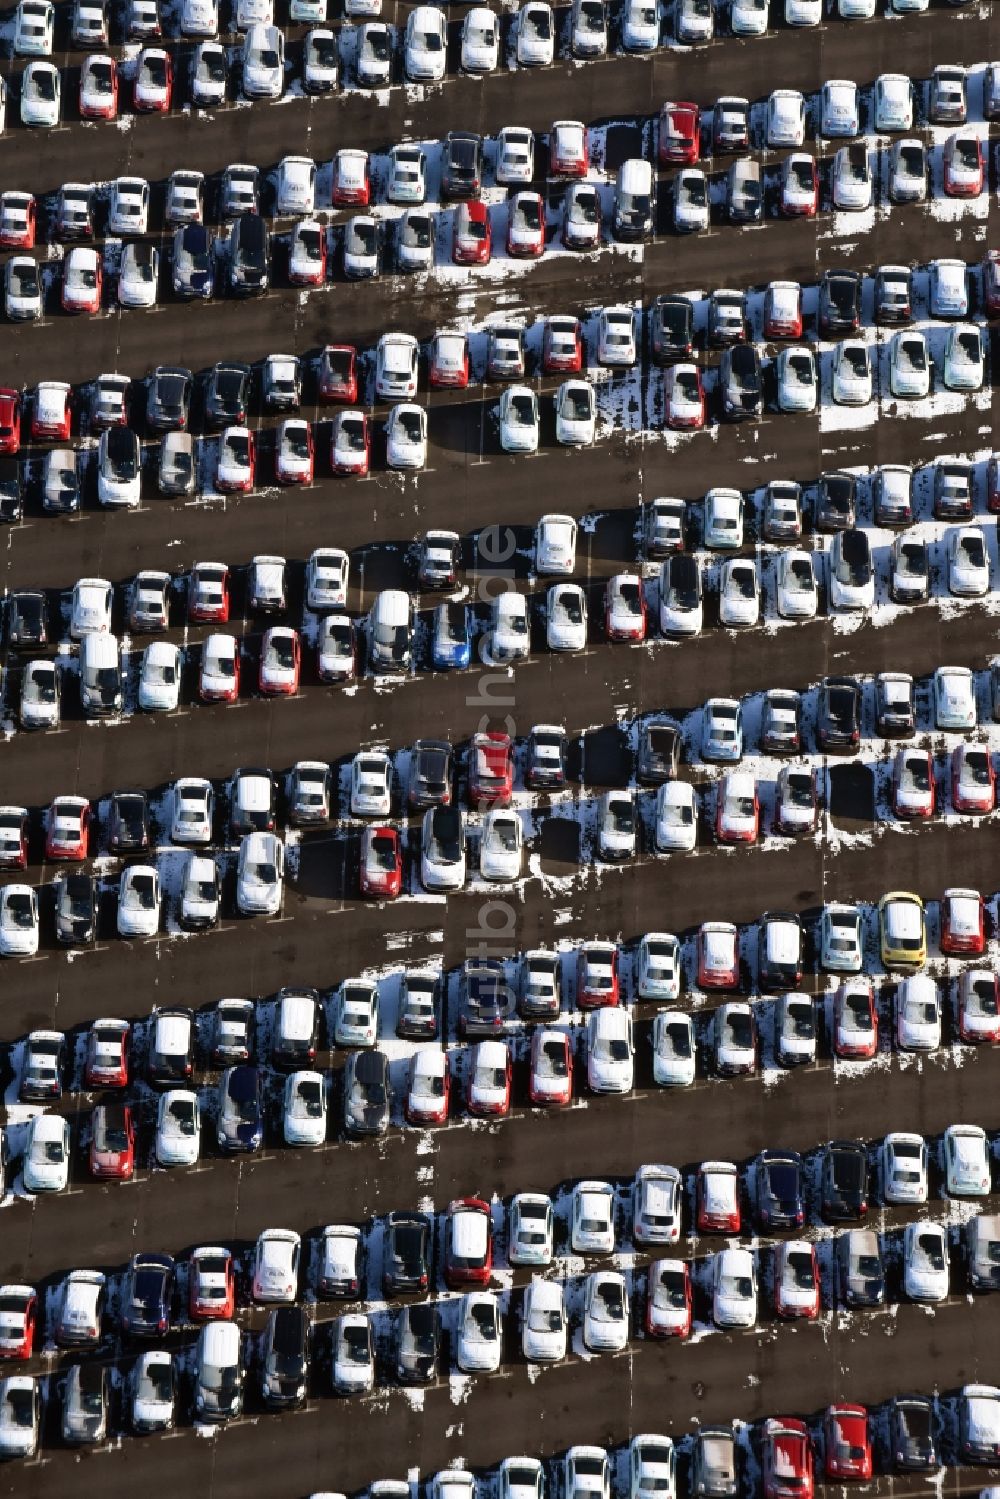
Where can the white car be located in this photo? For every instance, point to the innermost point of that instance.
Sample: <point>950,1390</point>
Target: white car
<point>40,95</point>
<point>586,1473</point>
<point>248,13</point>
<point>852,575</point>
<point>851,382</point>
<point>479,1332</point>
<point>656,1205</point>
<point>786,118</point>
<point>893,102</point>
<point>739,593</point>
<point>803,12</point>
<point>500,845</point>
<point>605,1312</point>
<point>128,206</point>
<point>949,289</point>
<point>218,677</point>
<point>509,634</point>
<point>327,574</point>
<point>34,21</point>
<point>616,346</point>
<point>797,594</point>
<point>427,1089</point>
<point>794,1030</point>
<point>407,177</point>
<point>425,45</point>
<point>260,874</point>
<point>903,1168</point>
<point>840,939</point>
<point>295,188</point>
<point>722,730</point>
<point>909,365</point>
<point>530,1229</point>
<point>303,1118</point>
<point>20,1415</point>
<point>263,62</point>
<point>199,18</point>
<point>964,358</point>
<point>694,21</point>
<point>798,382</point>
<point>668,1314</point>
<point>588,28</point>
<point>275,1270</point>
<point>676,818</point>
<point>293,459</point>
<point>199,893</point>
<point>178,1128</point>
<point>658,966</point>
<point>954,693</point>
<point>617,826</point>
<point>373,59</point>
<point>592,1218</point>
<point>519,421</point>
<point>46,1154</point>
<point>442,849</point>
<point>674,1054</point>
<point>966,1161</point>
<point>480,40</point>
<point>371,784</point>
<point>926,1263</point>
<point>208,75</point>
<point>536,33</point>
<point>918,1014</point>
<point>18,921</point>
<point>640,26</point>
<point>22,289</point>
<point>40,695</point>
<point>352,1355</point>
<point>320,69</point>
<point>544,1326</point>
<point>576,413</point>
<point>734,1037</point>
<point>610,1050</point>
<point>355,1014</point>
<point>734,1289</point>
<point>488,1090</point>
<point>515,158</point>
<point>839,113</point>
<point>406,437</point>
<point>691,201</point>
<point>968,562</point>
<point>565,618</point>
<point>852,179</point>
<point>139,901</point>
<point>192,810</point>
<point>138,275</point>
<point>152,1397</point>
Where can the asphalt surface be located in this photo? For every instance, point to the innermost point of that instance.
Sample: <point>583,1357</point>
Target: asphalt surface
<point>325,934</point>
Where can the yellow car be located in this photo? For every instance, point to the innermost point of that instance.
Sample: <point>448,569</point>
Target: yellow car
<point>902,931</point>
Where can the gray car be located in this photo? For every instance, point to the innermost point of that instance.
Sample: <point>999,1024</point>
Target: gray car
<point>85,1404</point>
<point>60,482</point>
<point>177,467</point>
<point>713,1463</point>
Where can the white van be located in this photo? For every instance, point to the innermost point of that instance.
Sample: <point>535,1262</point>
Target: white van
<point>100,676</point>
<point>635,199</point>
<point>390,632</point>
<point>218,1380</point>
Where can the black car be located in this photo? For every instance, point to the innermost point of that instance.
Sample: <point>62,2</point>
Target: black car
<point>74,212</point>
<point>233,1027</point>
<point>731,125</point>
<point>192,262</point>
<point>740,383</point>
<point>909,570</point>
<point>671,329</point>
<point>240,1124</point>
<point>281,383</point>
<point>419,1006</point>
<point>284,1357</point>
<point>781,732</point>
<point>418,1343</point>
<point>27,618</point>
<point>953,491</point>
<point>406,1260</point>
<point>680,588</point>
<point>431,773</point>
<point>836,502</point>
<point>147,1295</point>
<point>779,950</point>
<point>486,1002</point>
<point>168,398</point>
<point>43,1067</point>
<point>295,1029</point>
<point>249,256</point>
<point>227,393</point>
<point>76,908</point>
<point>539,986</point>
<point>727,318</point>
<point>438,560</point>
<point>895,711</point>
<point>253,801</point>
<point>128,823</point>
<point>851,559</point>
<point>838,714</point>
<point>11,497</point>
<point>546,767</point>
<point>844,1181</point>
<point>779,1201</point>
<point>892,495</point>
<point>659,754</point>
<point>893,294</point>
<point>839,302</point>
<point>911,1434</point>
<point>462,169</point>
<point>366,1093</point>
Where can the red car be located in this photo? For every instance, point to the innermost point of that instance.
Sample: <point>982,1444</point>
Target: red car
<point>112,1142</point>
<point>684,396</point>
<point>307,254</point>
<point>350,443</point>
<point>551,1077</point>
<point>448,362</point>
<point>82,280</point>
<point>973,779</point>
<point>98,97</point>
<point>597,976</point>
<point>208,593</point>
<point>237,461</point>
<point>219,672</point>
<point>280,662</point>
<point>855,1021</point>
<point>17,221</point>
<point>562,346</point>
<point>18,1313</point>
<point>799,186</point>
<point>962,923</point>
<point>680,135</point>
<point>10,420</point>
<point>491,770</point>
<point>796,1281</point>
<point>211,1285</point>
<point>569,150</point>
<point>107,1054</point>
<point>154,81</point>
<point>717,1198</point>
<point>472,234</point>
<point>67,828</point>
<point>351,179</point>
<point>428,1093</point>
<point>381,874</point>
<point>468,1243</point>
<point>991,282</point>
<point>847,1448</point>
<point>668,1299</point>
<point>964,165</point>
<point>993,485</point>
<point>13,837</point>
<point>718,955</point>
<point>913,789</point>
<point>525,226</point>
<point>979,1005</point>
<point>787,1459</point>
<point>51,410</point>
<point>737,808</point>
<point>783,310</point>
<point>338,374</point>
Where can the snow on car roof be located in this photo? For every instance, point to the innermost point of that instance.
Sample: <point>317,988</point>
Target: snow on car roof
<point>469,1231</point>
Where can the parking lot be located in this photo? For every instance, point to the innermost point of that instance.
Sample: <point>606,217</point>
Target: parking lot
<point>326,932</point>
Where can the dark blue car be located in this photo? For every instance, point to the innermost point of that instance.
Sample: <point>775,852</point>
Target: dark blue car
<point>146,1296</point>
<point>451,644</point>
<point>241,1109</point>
